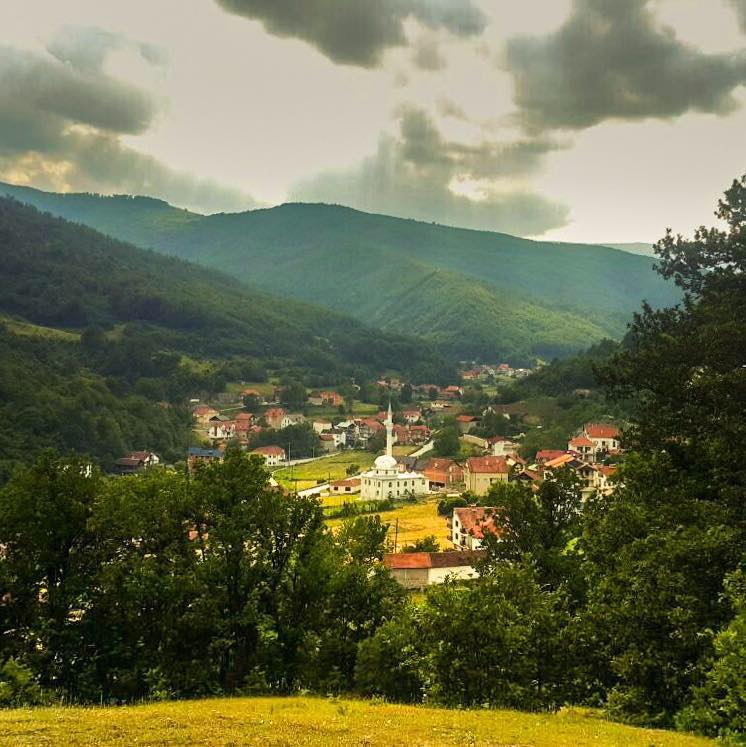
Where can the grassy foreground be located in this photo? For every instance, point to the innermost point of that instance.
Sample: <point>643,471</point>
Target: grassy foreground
<point>316,721</point>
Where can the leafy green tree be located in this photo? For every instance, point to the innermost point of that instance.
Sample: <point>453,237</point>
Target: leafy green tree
<point>446,441</point>
<point>294,395</point>
<point>424,544</point>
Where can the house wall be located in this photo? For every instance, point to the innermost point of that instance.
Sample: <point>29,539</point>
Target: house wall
<point>480,483</point>
<point>439,575</point>
<point>412,578</point>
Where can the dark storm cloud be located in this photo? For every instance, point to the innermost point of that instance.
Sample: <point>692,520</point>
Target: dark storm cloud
<point>410,176</point>
<point>357,32</point>
<point>612,60</point>
<point>61,122</point>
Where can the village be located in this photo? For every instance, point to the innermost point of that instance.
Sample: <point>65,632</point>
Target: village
<point>357,458</point>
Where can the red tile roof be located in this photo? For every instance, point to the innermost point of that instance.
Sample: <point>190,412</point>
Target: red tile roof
<point>475,520</point>
<point>546,455</point>
<point>601,430</point>
<point>423,560</point>
<point>465,418</point>
<point>581,441</point>
<point>487,465</point>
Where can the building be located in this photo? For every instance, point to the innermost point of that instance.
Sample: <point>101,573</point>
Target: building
<point>584,447</point>
<point>221,427</point>
<point>326,441</point>
<point>466,423</point>
<point>385,480</point>
<point>443,474</point>
<point>469,525</point>
<point>416,570</point>
<point>203,413</point>
<point>322,425</point>
<point>345,487</point>
<point>277,418</point>
<point>605,437</point>
<point>203,456</point>
<point>501,446</point>
<point>134,462</point>
<point>411,416</point>
<point>273,455</point>
<point>480,473</point>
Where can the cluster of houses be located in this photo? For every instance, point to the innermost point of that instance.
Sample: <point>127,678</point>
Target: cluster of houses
<point>481,371</point>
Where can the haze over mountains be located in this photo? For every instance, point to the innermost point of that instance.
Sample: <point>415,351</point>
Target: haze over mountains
<point>473,293</point>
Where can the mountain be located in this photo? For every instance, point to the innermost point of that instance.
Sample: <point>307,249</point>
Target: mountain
<point>101,342</point>
<point>635,247</point>
<point>473,293</point>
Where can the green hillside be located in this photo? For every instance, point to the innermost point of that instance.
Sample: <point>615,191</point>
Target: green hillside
<point>96,338</point>
<point>473,292</point>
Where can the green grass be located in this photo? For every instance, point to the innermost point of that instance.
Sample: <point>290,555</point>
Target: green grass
<point>27,329</point>
<point>316,721</point>
<point>333,467</point>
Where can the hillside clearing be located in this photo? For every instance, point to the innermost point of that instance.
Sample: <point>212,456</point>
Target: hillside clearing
<point>302,476</point>
<point>316,721</point>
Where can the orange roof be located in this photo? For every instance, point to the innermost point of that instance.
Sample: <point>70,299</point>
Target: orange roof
<point>561,461</point>
<point>350,482</point>
<point>549,454</point>
<point>581,441</point>
<point>475,520</point>
<point>465,418</point>
<point>424,560</point>
<point>244,416</point>
<point>487,465</point>
<point>601,430</point>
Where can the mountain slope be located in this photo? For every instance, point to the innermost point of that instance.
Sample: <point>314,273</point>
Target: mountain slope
<point>101,342</point>
<point>483,294</point>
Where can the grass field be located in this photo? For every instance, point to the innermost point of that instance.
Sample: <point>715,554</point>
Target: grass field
<point>316,721</point>
<point>333,467</point>
<point>27,329</point>
<point>416,520</point>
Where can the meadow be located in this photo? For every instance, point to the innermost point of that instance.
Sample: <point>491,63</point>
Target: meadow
<point>412,521</point>
<point>317,721</point>
<point>302,476</point>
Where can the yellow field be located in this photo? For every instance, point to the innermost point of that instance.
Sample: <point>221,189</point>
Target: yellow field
<point>333,467</point>
<point>316,721</point>
<point>416,520</point>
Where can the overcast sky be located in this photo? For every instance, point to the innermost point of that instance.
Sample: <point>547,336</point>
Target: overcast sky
<point>581,120</point>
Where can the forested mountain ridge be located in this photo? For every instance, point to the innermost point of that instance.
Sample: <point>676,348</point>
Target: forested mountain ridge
<point>94,335</point>
<point>475,293</point>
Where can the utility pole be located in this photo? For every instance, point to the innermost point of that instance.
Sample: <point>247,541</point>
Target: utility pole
<point>396,535</point>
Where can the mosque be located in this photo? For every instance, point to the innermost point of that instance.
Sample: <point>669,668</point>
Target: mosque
<point>385,480</point>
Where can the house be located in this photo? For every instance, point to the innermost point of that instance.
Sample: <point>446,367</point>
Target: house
<point>134,462</point>
<point>419,434</point>
<point>294,418</point>
<point>277,418</point>
<point>469,525</point>
<point>605,437</point>
<point>417,570</point>
<point>203,413</point>
<point>546,455</point>
<point>466,423</point>
<point>315,399</point>
<point>221,427</point>
<point>253,393</point>
<point>332,399</point>
<point>197,456</point>
<point>584,447</point>
<point>501,446</point>
<point>443,474</point>
<point>273,455</point>
<point>411,416</point>
<point>345,487</point>
<point>321,425</point>
<point>480,473</point>
<point>327,443</point>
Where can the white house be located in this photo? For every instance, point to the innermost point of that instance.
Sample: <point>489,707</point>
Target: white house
<point>416,570</point>
<point>273,455</point>
<point>469,525</point>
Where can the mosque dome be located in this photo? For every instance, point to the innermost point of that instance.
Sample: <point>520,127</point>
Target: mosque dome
<point>385,462</point>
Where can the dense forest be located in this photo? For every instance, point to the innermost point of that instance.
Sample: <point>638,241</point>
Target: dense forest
<point>475,294</point>
<point>102,343</point>
<point>164,586</point>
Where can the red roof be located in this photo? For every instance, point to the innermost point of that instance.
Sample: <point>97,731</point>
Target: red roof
<point>244,416</point>
<point>465,418</point>
<point>423,560</point>
<point>581,441</point>
<point>203,409</point>
<point>475,520</point>
<point>546,455</point>
<point>601,430</point>
<point>350,482</point>
<point>487,465</point>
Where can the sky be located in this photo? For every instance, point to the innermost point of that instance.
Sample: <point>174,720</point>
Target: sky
<point>569,120</point>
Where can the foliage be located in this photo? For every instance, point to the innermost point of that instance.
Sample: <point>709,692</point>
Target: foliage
<point>423,544</point>
<point>398,274</point>
<point>446,442</point>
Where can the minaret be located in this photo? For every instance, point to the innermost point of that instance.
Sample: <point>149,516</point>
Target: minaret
<point>389,434</point>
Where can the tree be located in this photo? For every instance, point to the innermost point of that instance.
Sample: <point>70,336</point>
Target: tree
<point>294,395</point>
<point>446,441</point>
<point>424,544</point>
<point>405,395</point>
<point>537,529</point>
